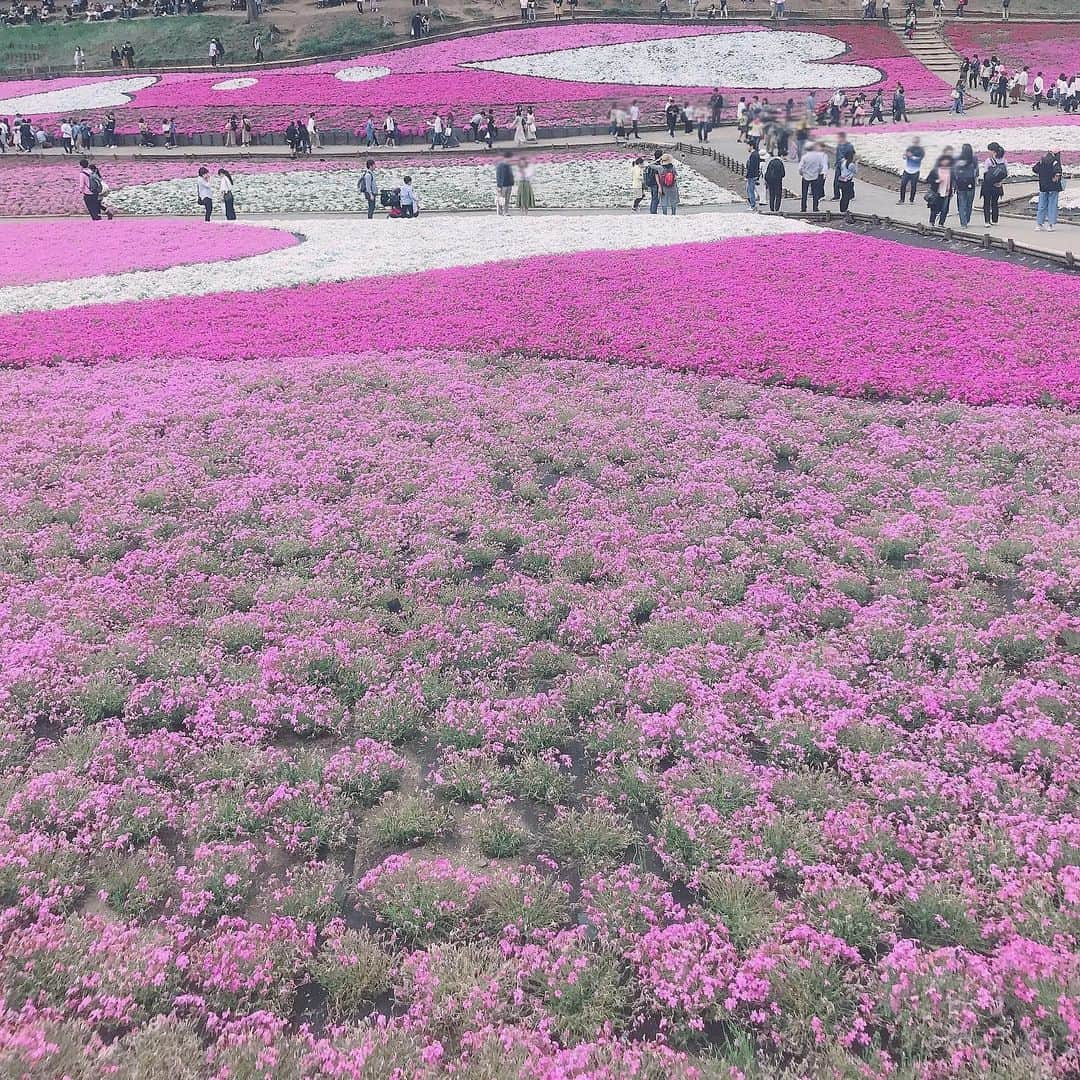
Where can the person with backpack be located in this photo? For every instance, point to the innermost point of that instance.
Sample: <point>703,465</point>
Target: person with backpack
<point>993,181</point>
<point>668,180</point>
<point>90,187</point>
<point>899,105</point>
<point>1048,170</point>
<point>909,174</point>
<point>204,193</point>
<point>504,184</point>
<point>965,179</point>
<point>774,181</point>
<point>368,187</point>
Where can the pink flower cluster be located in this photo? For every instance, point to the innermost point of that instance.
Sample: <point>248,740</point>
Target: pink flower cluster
<point>1052,47</point>
<point>965,345</point>
<point>435,76</point>
<point>775,692</point>
<point>61,250</point>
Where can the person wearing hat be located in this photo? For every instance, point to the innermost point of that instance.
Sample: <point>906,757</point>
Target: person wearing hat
<point>1048,170</point>
<point>668,182</point>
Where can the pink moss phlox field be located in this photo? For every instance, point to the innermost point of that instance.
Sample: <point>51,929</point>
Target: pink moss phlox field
<point>752,714</point>
<point>53,188</point>
<point>61,250</point>
<point>924,325</point>
<point>432,76</point>
<point>1052,48</point>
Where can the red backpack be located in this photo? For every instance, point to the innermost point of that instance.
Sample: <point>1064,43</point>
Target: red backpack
<point>667,177</point>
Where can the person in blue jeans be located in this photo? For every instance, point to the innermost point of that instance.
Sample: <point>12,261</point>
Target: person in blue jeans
<point>965,181</point>
<point>368,187</point>
<point>652,183</point>
<point>753,175</point>
<point>1048,170</point>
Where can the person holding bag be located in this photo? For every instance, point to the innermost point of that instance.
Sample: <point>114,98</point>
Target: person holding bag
<point>1048,170</point>
<point>994,173</point>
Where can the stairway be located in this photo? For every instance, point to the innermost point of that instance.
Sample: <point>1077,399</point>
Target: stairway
<point>930,48</point>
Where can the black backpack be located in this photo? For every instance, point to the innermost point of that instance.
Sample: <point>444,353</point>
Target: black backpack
<point>96,187</point>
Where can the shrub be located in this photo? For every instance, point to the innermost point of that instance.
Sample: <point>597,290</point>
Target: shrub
<point>410,820</point>
<point>354,968</point>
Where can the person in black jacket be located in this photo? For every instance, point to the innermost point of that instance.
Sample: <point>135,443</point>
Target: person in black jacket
<point>774,181</point>
<point>939,189</point>
<point>1048,170</point>
<point>753,176</point>
<point>965,180</point>
<point>671,117</point>
<point>994,172</point>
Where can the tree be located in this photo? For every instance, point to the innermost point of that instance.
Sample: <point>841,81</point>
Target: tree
<point>252,11</point>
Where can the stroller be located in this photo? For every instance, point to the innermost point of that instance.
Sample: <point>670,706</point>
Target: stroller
<point>390,200</point>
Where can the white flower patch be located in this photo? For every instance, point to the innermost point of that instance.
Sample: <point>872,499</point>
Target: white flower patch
<point>342,249</point>
<point>886,150</point>
<point>234,84</point>
<point>603,182</point>
<point>103,94</point>
<point>361,74</point>
<point>776,60</point>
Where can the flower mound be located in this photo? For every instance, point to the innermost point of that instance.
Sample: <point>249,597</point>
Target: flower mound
<point>751,711</point>
<point>60,250</point>
<point>1052,48</point>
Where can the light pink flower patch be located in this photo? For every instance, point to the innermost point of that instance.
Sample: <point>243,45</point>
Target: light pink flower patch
<point>1047,47</point>
<point>61,250</point>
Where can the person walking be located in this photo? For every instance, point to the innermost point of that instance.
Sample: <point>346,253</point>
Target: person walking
<point>668,179</point>
<point>519,127</point>
<point>958,98</point>
<point>848,171</point>
<point>245,130</point>
<point>204,193</point>
<point>909,175</point>
<point>314,138</point>
<point>1048,170</point>
<point>993,181</point>
<point>637,183</point>
<point>79,58</point>
<point>635,119</point>
<point>671,117</point>
<point>504,184</point>
<point>812,168</point>
<point>939,189</point>
<point>225,189</point>
<point>1005,10</point>
<point>390,130</point>
<point>371,139</point>
<point>90,187</point>
<point>1038,87</point>
<point>899,105</point>
<point>368,187</point>
<point>66,139</point>
<point>232,129</point>
<point>774,181</point>
<point>876,105</point>
<point>965,179</point>
<point>753,177</point>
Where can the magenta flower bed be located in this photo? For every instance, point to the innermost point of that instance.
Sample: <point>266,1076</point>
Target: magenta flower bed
<point>430,77</point>
<point>742,720</point>
<point>60,250</point>
<point>1052,48</point>
<point>965,345</point>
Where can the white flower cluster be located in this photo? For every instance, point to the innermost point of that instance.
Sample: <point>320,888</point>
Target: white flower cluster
<point>595,183</point>
<point>750,60</point>
<point>341,249</point>
<point>885,150</point>
<point>100,94</point>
